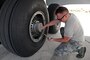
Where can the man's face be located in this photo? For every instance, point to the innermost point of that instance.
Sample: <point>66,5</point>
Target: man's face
<point>62,16</point>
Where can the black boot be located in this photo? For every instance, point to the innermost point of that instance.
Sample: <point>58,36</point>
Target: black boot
<point>81,52</point>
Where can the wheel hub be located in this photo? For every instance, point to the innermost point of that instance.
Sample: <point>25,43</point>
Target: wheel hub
<point>36,23</point>
<point>36,28</point>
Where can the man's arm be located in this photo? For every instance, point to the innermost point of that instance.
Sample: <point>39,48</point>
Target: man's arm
<point>64,39</point>
<point>53,22</point>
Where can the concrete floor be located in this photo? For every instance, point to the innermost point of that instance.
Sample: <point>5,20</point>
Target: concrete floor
<point>45,53</point>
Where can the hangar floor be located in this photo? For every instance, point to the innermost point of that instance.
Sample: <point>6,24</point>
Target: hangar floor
<point>45,53</point>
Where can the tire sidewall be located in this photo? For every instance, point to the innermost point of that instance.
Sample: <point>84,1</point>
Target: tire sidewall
<point>19,26</point>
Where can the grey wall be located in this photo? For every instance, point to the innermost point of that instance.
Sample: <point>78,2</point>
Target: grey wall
<point>63,2</point>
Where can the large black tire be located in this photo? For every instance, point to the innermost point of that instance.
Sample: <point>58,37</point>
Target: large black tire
<point>15,23</point>
<point>52,8</point>
<point>1,3</point>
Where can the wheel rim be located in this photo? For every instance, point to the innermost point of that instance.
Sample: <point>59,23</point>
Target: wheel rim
<point>36,21</point>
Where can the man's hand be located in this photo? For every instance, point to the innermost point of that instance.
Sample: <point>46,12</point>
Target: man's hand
<point>65,39</point>
<point>51,23</point>
<point>51,39</point>
<point>43,27</point>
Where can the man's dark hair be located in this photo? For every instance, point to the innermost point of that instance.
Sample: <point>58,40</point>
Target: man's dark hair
<point>61,10</point>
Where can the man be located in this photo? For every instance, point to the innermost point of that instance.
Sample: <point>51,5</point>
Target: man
<point>72,35</point>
